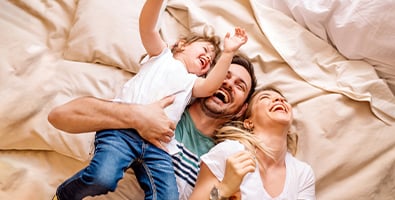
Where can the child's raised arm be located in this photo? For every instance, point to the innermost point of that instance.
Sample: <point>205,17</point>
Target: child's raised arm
<point>207,86</point>
<point>150,37</point>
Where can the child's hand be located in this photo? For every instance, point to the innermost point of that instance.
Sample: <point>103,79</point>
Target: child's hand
<point>232,44</point>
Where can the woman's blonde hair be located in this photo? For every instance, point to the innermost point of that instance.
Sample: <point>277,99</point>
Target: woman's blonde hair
<point>235,130</point>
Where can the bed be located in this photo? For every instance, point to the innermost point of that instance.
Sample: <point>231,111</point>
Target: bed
<point>333,60</point>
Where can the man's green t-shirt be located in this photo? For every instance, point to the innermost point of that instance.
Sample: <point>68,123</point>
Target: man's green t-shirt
<point>192,144</point>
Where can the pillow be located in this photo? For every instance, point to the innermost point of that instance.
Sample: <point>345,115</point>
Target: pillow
<point>359,30</point>
<point>106,32</point>
<point>321,65</point>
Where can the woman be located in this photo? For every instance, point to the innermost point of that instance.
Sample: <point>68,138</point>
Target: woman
<point>258,156</point>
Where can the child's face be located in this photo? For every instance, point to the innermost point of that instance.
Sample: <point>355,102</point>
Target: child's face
<point>198,57</point>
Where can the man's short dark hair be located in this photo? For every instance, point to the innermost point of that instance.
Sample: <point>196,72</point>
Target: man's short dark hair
<point>246,63</point>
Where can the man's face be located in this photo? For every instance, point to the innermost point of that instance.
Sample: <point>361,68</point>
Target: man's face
<point>230,98</point>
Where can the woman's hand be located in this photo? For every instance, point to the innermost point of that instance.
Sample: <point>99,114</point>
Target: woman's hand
<point>237,166</point>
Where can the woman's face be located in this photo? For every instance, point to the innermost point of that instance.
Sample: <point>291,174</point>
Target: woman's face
<point>270,106</point>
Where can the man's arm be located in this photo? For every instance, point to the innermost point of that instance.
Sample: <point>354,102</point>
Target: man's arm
<point>87,114</point>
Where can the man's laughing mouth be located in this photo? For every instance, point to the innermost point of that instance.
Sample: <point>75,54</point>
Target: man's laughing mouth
<point>223,96</point>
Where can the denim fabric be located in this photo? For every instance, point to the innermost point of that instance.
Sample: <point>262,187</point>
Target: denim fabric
<point>115,151</point>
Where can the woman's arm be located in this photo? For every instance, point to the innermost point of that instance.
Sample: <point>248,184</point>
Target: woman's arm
<point>204,183</point>
<point>87,114</point>
<point>307,184</point>
<point>237,166</point>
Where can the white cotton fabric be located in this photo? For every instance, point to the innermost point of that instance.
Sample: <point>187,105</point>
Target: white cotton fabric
<point>299,183</point>
<point>55,51</point>
<point>359,30</point>
<point>159,77</point>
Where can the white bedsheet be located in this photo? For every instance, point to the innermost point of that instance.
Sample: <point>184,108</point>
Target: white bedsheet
<point>54,51</point>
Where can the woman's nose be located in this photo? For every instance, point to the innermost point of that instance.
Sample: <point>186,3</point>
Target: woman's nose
<point>278,99</point>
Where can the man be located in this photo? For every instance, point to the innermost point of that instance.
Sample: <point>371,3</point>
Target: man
<point>194,131</point>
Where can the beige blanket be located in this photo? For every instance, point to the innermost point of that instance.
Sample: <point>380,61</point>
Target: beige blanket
<point>54,51</point>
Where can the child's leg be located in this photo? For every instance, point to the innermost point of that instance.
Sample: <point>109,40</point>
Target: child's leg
<point>156,174</point>
<point>112,156</point>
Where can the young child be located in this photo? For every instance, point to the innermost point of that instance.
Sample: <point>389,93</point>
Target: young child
<point>177,72</point>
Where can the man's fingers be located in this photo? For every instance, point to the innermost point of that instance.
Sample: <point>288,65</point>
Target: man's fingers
<point>158,144</point>
<point>172,127</point>
<point>166,139</point>
<point>162,143</point>
<point>166,101</point>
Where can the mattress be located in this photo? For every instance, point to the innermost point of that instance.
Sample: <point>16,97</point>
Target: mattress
<point>318,53</point>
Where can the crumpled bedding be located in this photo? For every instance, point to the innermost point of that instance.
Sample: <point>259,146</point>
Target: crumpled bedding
<point>344,109</point>
<point>359,30</point>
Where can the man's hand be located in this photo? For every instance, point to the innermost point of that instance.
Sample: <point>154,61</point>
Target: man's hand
<point>153,124</point>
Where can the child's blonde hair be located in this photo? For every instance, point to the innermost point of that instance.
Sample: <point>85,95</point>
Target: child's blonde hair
<point>208,36</point>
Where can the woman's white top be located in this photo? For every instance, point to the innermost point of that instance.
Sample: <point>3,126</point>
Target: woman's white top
<point>299,181</point>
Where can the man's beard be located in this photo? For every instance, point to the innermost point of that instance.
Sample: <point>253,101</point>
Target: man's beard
<point>215,111</point>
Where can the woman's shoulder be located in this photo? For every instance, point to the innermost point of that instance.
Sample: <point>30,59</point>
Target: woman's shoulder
<point>227,148</point>
<point>301,167</point>
<point>300,177</point>
<point>290,158</point>
<point>231,145</point>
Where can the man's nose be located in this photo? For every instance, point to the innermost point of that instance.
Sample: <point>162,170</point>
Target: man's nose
<point>227,83</point>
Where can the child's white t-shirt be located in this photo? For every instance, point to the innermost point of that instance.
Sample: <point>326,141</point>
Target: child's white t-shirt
<point>161,76</point>
<point>299,182</point>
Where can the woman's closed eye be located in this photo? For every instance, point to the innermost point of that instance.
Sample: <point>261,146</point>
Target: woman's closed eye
<point>264,97</point>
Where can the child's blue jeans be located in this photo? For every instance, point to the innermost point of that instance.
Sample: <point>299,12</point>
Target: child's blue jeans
<point>115,151</point>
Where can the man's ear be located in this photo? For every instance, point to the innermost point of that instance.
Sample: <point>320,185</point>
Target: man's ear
<point>241,111</point>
